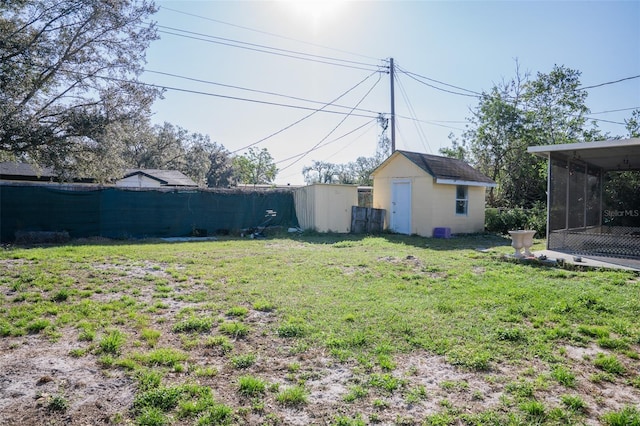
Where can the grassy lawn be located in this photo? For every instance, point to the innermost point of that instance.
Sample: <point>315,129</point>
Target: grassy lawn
<point>315,329</point>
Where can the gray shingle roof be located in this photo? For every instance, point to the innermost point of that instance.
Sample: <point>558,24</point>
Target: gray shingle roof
<point>9,169</point>
<point>166,177</point>
<point>445,168</point>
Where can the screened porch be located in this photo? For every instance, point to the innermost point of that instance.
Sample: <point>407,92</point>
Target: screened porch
<point>593,197</point>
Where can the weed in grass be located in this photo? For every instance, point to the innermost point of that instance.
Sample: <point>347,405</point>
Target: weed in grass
<point>106,361</point>
<point>148,379</point>
<point>87,335</point>
<point>614,344</point>
<point>263,306</point>
<point>386,362</point>
<point>292,328</point>
<point>635,382</point>
<point>416,394</point>
<point>292,396</point>
<point>61,296</point>
<point>454,385</point>
<point>511,335</point>
<point>293,367</point>
<point>251,386</point>
<point>609,364</point>
<point>520,389</point>
<point>602,376</point>
<point>243,361</point>
<point>218,414</point>
<point>574,403</point>
<point>475,360</point>
<point>162,398</point>
<point>340,420</point>
<point>238,311</point>
<point>355,392</point>
<point>594,331</point>
<point>234,329</point>
<point>112,341</point>
<point>58,403</point>
<point>439,419</point>
<point>78,352</point>
<point>534,410</point>
<point>194,325</point>
<point>206,372</point>
<point>37,326</point>
<point>386,382</point>
<point>150,336</point>
<point>163,356</point>
<point>221,342</point>
<point>564,376</point>
<point>380,404</point>
<point>628,416</point>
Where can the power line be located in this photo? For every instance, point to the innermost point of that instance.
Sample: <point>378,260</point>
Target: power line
<point>267,33</point>
<point>417,78</point>
<point>217,95</point>
<point>368,123</point>
<point>313,148</point>
<point>614,110</point>
<point>419,130</point>
<point>269,50</point>
<point>312,113</point>
<point>609,82</point>
<point>251,90</point>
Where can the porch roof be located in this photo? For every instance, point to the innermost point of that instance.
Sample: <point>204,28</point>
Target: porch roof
<point>620,154</point>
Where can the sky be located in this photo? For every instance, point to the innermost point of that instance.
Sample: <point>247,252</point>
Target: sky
<point>307,79</point>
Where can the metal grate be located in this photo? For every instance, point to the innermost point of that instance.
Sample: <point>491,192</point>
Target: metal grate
<point>613,241</point>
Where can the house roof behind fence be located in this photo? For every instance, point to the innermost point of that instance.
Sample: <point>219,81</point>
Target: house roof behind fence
<point>165,177</point>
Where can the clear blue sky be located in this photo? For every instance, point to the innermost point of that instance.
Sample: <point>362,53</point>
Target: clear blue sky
<point>471,45</point>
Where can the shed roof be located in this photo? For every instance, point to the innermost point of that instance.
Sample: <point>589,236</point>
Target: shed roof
<point>165,177</point>
<point>619,154</point>
<point>444,169</point>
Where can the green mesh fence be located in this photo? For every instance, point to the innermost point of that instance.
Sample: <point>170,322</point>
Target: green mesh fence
<point>121,213</point>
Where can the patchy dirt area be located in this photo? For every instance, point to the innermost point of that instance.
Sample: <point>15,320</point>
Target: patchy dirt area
<point>63,381</point>
<point>34,370</point>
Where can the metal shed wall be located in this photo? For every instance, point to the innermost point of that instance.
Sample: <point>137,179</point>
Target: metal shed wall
<point>325,207</point>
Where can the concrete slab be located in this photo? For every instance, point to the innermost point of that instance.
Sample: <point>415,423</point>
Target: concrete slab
<point>590,261</point>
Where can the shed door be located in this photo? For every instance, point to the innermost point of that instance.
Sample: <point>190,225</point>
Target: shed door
<point>400,220</point>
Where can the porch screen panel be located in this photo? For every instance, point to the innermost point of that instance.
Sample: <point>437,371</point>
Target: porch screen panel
<point>577,201</point>
<point>558,194</point>
<point>594,196</point>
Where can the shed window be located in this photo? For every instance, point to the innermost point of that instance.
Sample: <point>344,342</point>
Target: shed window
<point>462,200</point>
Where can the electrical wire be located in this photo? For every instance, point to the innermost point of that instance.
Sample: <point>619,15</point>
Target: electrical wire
<point>419,130</point>
<point>609,82</point>
<point>217,95</point>
<point>251,90</point>
<point>313,148</point>
<point>267,33</point>
<point>417,78</point>
<point>314,112</point>
<point>269,50</point>
<point>369,124</point>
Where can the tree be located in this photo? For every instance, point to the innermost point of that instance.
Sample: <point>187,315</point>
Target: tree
<point>68,73</point>
<point>320,172</point>
<point>255,167</point>
<point>633,124</point>
<point>515,115</point>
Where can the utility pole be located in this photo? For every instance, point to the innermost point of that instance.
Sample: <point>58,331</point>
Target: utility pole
<point>393,109</point>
